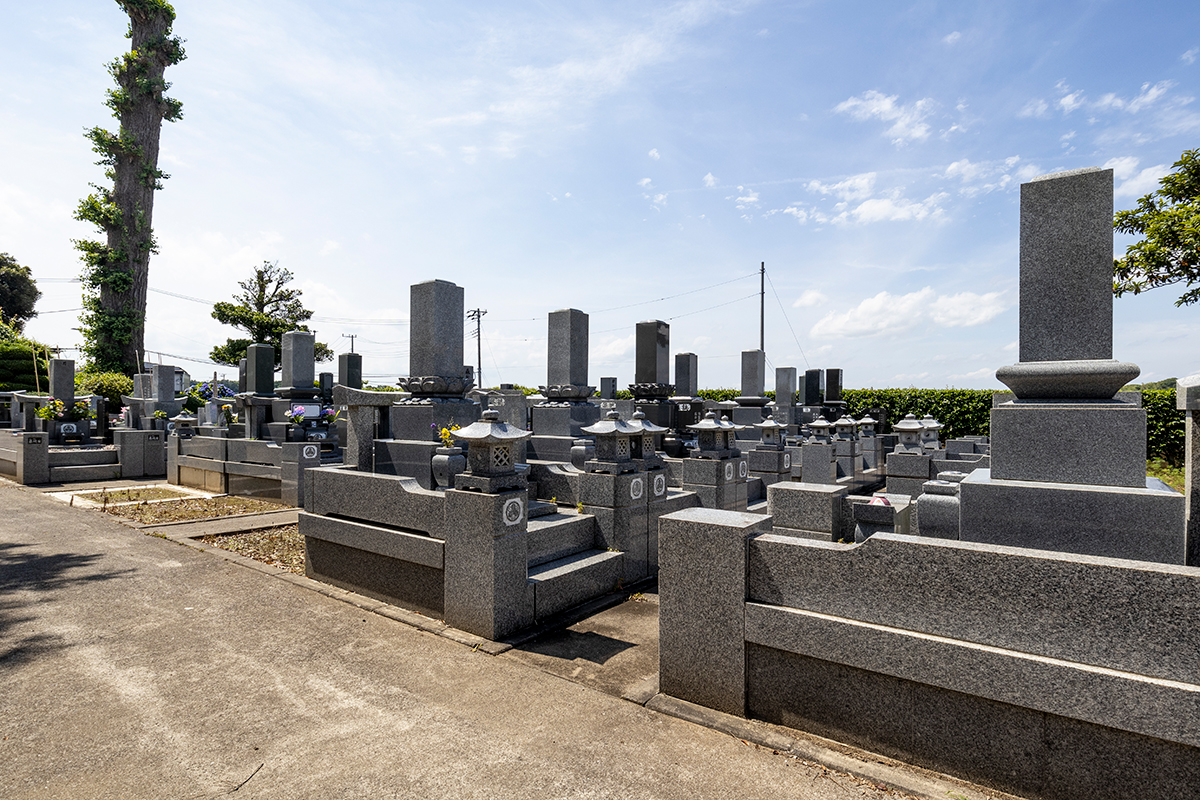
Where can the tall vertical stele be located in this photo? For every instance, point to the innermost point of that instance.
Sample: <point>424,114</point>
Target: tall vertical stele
<point>116,272</point>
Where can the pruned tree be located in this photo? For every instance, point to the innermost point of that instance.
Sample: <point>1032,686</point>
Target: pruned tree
<point>18,293</point>
<point>116,271</point>
<point>1168,219</point>
<point>266,309</point>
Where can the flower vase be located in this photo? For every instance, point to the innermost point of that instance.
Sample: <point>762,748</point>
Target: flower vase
<point>448,462</point>
<point>295,433</point>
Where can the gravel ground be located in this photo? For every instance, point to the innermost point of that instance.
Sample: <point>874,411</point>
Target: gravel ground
<point>132,495</point>
<point>198,508</point>
<point>281,547</point>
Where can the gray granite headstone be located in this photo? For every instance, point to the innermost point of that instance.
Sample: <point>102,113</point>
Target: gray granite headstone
<point>1066,266</point>
<point>686,377</point>
<point>754,373</point>
<point>833,386</point>
<point>260,369</point>
<point>608,388</point>
<point>62,380</point>
<point>242,381</point>
<point>350,370</point>
<point>785,386</point>
<point>567,348</point>
<point>163,380</point>
<point>814,387</point>
<point>435,330</point>
<point>653,345</point>
<point>299,370</point>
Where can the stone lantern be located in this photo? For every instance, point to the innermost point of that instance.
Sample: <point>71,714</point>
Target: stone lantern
<point>771,433</point>
<point>185,424</point>
<point>491,459</point>
<point>909,430</point>
<point>714,437</point>
<point>642,447</point>
<point>866,427</point>
<point>844,430</point>
<point>614,452</point>
<point>929,432</point>
<point>820,429</point>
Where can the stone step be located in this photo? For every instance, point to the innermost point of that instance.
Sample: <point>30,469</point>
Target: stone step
<point>85,472</point>
<point>82,458</point>
<point>571,581</point>
<point>538,508</point>
<point>557,536</point>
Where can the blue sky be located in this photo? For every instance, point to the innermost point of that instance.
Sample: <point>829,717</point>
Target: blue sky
<point>633,160</point>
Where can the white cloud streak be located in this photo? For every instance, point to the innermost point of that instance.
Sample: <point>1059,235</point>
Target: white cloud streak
<point>907,120</point>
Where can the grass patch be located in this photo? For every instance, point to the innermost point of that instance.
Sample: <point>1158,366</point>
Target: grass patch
<point>133,495</point>
<point>193,509</point>
<point>281,547</point>
<point>1168,474</point>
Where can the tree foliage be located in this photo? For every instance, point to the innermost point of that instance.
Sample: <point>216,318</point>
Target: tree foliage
<point>18,293</point>
<point>266,309</point>
<point>1168,220</point>
<point>116,272</point>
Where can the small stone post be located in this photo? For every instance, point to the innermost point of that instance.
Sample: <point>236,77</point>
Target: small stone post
<point>1187,398</point>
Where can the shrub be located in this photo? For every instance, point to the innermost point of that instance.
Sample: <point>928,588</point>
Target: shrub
<point>1164,426</point>
<point>963,412</point>
<point>110,385</point>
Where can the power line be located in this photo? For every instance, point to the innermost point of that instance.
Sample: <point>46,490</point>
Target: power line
<point>787,320</point>
<point>673,296</point>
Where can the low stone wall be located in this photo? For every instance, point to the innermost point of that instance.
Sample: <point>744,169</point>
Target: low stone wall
<point>242,467</point>
<point>1045,674</point>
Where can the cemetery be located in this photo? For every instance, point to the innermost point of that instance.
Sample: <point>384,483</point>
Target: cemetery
<point>869,580</point>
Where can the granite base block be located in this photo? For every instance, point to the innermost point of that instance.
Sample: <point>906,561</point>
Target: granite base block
<point>407,459</point>
<point>702,590</point>
<point>615,491</point>
<point>386,500</point>
<point>806,506</point>
<point>626,530</point>
<point>401,583</point>
<point>1142,524</point>
<point>573,580</point>
<point>1100,443</point>
<point>910,487</point>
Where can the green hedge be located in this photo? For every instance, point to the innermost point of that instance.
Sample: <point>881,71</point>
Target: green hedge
<point>109,384</point>
<point>17,359</point>
<point>1164,426</point>
<point>963,412</point>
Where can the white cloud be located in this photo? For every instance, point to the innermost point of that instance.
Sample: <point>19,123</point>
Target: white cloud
<point>951,38</point>
<point>1070,102</point>
<point>1148,96</point>
<point>1028,173</point>
<point>660,199</point>
<point>1190,56</point>
<point>907,120</point>
<point>329,246</point>
<point>617,348</point>
<point>894,209</point>
<point>856,187</point>
<point>977,375</point>
<point>810,298</point>
<point>709,180</point>
<point>890,314</point>
<point>748,198</point>
<point>1134,183</point>
<point>1034,108</point>
<point>799,213</point>
<point>654,154</point>
<point>644,183</point>
<point>965,170</point>
<point>1011,347</point>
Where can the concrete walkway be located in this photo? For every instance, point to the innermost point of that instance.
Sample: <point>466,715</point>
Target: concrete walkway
<point>133,666</point>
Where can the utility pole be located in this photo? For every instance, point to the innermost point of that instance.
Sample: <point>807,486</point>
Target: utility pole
<point>762,307</point>
<point>476,314</point>
<point>351,337</point>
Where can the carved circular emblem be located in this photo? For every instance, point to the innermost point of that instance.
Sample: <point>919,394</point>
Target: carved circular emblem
<point>311,451</point>
<point>742,469</point>
<point>68,427</point>
<point>636,487</point>
<point>660,485</point>
<point>729,471</point>
<point>514,511</point>
<point>787,460</point>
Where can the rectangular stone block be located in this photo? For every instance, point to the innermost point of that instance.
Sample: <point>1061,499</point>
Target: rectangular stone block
<point>833,386</point>
<point>33,458</point>
<point>686,375</point>
<point>754,373</point>
<point>769,460</point>
<point>1066,266</point>
<point>62,380</point>
<point>422,422</point>
<point>608,388</point>
<point>909,465</point>
<point>627,530</point>
<point>806,506</point>
<point>567,348</point>
<point>260,369</point>
<point>813,393</point>
<point>785,388</point>
<point>350,370</point>
<point>154,456</point>
<point>435,329</point>
<point>702,595</point>
<point>298,367</point>
<point>407,459</point>
<point>709,471</point>
<point>1102,443</point>
<point>1141,524</point>
<point>163,379</point>
<point>818,463</point>
<point>400,582</point>
<point>652,352</point>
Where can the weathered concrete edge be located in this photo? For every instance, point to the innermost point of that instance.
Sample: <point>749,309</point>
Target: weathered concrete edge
<point>836,756</point>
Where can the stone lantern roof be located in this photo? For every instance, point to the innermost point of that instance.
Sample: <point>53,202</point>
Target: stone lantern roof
<point>490,455</point>
<point>614,454</point>
<point>639,421</point>
<point>866,425</point>
<point>642,447</point>
<point>185,424</point>
<point>772,434</point>
<point>820,429</point>
<point>909,430</point>
<point>715,437</point>
<point>845,428</point>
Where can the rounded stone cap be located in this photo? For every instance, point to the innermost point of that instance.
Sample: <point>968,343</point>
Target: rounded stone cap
<point>910,424</point>
<point>940,487</point>
<point>952,476</point>
<point>1097,379</point>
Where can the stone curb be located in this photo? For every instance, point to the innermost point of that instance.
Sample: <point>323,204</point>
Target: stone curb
<point>862,764</point>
